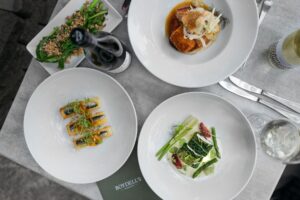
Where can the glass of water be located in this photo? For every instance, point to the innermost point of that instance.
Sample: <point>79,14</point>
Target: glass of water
<point>279,138</point>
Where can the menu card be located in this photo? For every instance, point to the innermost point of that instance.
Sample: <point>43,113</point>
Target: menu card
<point>127,183</point>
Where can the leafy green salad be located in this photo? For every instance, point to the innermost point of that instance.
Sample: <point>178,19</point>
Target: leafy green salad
<point>193,148</point>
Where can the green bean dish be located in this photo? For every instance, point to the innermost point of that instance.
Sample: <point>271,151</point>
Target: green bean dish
<point>57,47</point>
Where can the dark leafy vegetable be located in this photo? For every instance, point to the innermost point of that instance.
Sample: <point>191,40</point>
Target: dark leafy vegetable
<point>194,151</point>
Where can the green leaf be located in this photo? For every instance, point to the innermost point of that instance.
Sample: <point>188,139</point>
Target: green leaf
<point>92,5</point>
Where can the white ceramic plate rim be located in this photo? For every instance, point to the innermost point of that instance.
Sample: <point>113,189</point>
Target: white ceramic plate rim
<point>50,78</point>
<point>222,99</point>
<point>187,84</point>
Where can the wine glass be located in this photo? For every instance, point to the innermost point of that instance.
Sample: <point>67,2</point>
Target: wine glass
<point>279,138</point>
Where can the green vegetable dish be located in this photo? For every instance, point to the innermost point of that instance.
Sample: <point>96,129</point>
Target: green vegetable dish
<point>193,148</point>
<point>57,47</point>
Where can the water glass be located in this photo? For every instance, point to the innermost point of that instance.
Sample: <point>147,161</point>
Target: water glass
<point>279,138</point>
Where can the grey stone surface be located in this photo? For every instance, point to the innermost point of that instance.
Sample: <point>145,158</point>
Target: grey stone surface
<point>18,182</point>
<point>147,92</point>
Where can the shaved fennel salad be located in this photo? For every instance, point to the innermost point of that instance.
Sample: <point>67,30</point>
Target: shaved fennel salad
<point>193,149</point>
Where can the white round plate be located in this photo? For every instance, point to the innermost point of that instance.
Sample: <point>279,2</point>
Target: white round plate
<point>238,149</point>
<point>46,134</point>
<point>146,27</point>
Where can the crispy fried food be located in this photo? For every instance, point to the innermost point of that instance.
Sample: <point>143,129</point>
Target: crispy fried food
<point>181,12</point>
<point>198,3</point>
<point>180,43</point>
<point>190,20</point>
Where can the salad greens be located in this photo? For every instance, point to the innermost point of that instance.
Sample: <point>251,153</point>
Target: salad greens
<point>192,149</point>
<point>57,47</point>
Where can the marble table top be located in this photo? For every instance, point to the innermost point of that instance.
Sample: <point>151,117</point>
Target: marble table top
<point>147,92</point>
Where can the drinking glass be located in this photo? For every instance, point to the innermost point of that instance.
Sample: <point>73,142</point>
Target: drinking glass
<point>279,138</point>
<point>285,54</point>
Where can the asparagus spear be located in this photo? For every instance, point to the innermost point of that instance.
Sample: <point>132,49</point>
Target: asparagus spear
<point>204,166</point>
<point>177,131</point>
<point>214,139</point>
<point>180,132</point>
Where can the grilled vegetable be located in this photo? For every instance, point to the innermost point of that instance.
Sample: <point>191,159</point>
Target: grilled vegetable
<point>214,139</point>
<point>204,166</point>
<point>204,130</point>
<point>194,151</point>
<point>176,161</point>
<point>180,132</point>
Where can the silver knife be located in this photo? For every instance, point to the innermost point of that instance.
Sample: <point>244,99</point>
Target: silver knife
<point>288,114</point>
<point>251,88</point>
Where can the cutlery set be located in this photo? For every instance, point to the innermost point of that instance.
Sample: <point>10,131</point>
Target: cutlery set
<point>293,113</point>
<point>241,84</point>
<point>251,88</point>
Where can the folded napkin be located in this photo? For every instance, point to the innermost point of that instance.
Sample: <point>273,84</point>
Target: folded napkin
<point>127,183</point>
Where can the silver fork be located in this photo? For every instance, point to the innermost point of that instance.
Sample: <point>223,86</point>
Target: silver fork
<point>267,4</point>
<point>259,3</point>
